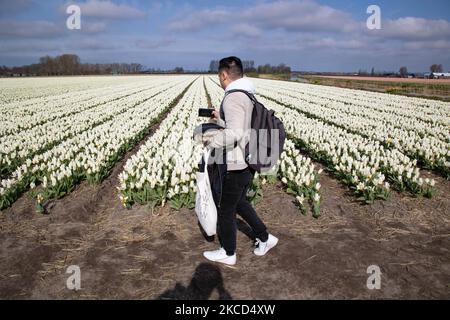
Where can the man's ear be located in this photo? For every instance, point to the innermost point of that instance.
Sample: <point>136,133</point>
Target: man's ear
<point>223,75</point>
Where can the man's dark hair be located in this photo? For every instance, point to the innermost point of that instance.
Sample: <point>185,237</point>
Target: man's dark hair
<point>233,65</point>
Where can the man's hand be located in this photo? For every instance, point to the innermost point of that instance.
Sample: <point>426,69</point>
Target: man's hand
<point>215,118</point>
<point>215,115</point>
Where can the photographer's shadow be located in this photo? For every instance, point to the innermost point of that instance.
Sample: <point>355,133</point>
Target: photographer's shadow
<point>206,278</point>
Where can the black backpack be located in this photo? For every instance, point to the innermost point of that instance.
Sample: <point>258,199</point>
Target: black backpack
<point>266,139</point>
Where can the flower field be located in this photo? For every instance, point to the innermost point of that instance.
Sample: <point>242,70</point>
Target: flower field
<point>55,134</point>
<point>62,141</point>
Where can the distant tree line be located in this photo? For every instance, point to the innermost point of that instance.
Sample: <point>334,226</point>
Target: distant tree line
<point>376,73</point>
<point>249,67</point>
<point>436,68</point>
<point>70,64</point>
<point>269,69</point>
<point>402,72</point>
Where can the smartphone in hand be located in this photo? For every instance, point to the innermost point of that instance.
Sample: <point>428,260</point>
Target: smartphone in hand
<point>205,112</point>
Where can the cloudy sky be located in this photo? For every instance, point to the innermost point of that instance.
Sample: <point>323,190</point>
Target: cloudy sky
<point>319,35</point>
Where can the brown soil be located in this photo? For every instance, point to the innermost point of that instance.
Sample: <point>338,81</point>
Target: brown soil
<point>139,254</point>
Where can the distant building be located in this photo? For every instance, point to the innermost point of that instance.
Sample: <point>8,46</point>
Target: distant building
<point>439,75</point>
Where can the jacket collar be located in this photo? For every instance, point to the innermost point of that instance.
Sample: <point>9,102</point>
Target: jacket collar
<point>241,84</point>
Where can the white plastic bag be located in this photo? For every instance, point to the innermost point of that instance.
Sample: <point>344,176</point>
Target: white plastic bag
<point>204,202</point>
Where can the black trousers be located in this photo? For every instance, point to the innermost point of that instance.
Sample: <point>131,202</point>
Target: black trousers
<point>234,201</point>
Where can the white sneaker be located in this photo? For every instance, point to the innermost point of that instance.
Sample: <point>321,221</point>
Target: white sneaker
<point>220,256</point>
<point>263,247</point>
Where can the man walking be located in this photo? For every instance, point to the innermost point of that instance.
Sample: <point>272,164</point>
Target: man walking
<point>235,116</point>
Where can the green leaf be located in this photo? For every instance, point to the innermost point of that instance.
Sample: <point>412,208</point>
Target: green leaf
<point>290,191</point>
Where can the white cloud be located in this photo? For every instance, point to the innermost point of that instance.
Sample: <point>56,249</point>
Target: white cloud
<point>32,29</point>
<point>413,29</point>
<point>294,15</point>
<point>199,20</point>
<point>328,43</point>
<point>93,27</point>
<point>29,46</point>
<point>91,44</point>
<point>8,7</point>
<point>428,45</point>
<point>301,28</point>
<point>287,18</point>
<point>303,15</point>
<point>246,30</point>
<point>153,44</point>
<point>108,10</point>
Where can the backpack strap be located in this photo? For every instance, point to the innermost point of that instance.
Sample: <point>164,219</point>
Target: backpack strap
<point>250,95</point>
<point>222,112</point>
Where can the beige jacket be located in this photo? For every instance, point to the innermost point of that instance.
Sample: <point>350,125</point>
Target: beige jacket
<point>238,110</point>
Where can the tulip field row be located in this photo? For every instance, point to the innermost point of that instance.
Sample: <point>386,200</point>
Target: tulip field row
<point>417,130</point>
<point>21,90</point>
<point>63,150</point>
<point>20,144</point>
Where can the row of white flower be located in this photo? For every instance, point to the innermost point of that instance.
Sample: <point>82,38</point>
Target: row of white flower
<point>400,116</point>
<point>164,167</point>
<point>23,91</point>
<point>88,155</point>
<point>17,148</point>
<point>434,152</point>
<point>430,111</point>
<point>23,115</point>
<point>215,92</point>
<point>298,174</point>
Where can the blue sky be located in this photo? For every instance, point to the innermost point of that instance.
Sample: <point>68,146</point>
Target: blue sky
<point>315,35</point>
